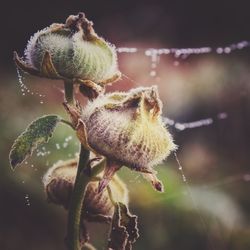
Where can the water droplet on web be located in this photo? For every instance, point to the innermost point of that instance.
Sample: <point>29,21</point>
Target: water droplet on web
<point>153,73</point>
<point>180,168</point>
<point>27,200</point>
<point>246,177</point>
<point>24,89</point>
<point>176,63</point>
<point>219,50</point>
<point>154,54</point>
<point>178,55</point>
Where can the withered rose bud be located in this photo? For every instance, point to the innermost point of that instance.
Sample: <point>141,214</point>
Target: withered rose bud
<point>71,51</point>
<point>127,128</point>
<point>59,181</point>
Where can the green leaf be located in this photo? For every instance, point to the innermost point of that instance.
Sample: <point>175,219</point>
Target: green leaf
<point>124,230</point>
<point>37,133</point>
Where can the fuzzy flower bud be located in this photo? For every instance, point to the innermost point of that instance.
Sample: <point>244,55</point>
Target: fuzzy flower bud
<point>59,182</point>
<point>71,51</point>
<point>127,128</point>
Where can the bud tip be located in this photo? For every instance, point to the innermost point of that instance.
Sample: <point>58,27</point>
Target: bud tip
<point>158,186</point>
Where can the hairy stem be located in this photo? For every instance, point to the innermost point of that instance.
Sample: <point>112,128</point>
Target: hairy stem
<point>82,179</point>
<point>75,208</point>
<point>81,182</point>
<point>68,92</point>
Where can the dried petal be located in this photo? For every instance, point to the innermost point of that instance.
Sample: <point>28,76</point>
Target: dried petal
<point>47,67</point>
<point>109,171</point>
<point>156,183</point>
<point>78,124</point>
<point>89,88</point>
<point>124,230</point>
<point>24,66</point>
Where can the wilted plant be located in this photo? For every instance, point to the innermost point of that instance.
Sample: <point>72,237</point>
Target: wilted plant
<point>114,130</point>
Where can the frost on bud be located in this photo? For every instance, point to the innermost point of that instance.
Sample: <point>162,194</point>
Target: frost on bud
<point>71,51</point>
<point>59,182</point>
<point>127,128</point>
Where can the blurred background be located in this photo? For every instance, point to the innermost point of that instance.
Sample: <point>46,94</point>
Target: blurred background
<point>208,211</point>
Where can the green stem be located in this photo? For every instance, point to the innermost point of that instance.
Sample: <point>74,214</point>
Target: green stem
<point>69,92</point>
<point>98,168</point>
<point>75,208</point>
<point>67,123</point>
<point>81,182</point>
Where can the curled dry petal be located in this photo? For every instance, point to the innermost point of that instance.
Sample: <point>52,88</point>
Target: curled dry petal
<point>124,231</point>
<point>108,173</point>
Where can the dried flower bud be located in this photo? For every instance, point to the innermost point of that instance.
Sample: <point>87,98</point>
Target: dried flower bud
<point>126,128</point>
<point>71,51</point>
<point>59,182</point>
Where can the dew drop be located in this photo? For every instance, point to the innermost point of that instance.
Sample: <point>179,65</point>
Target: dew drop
<point>246,177</point>
<point>27,200</point>
<point>153,73</point>
<point>219,50</point>
<point>180,168</point>
<point>176,63</point>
